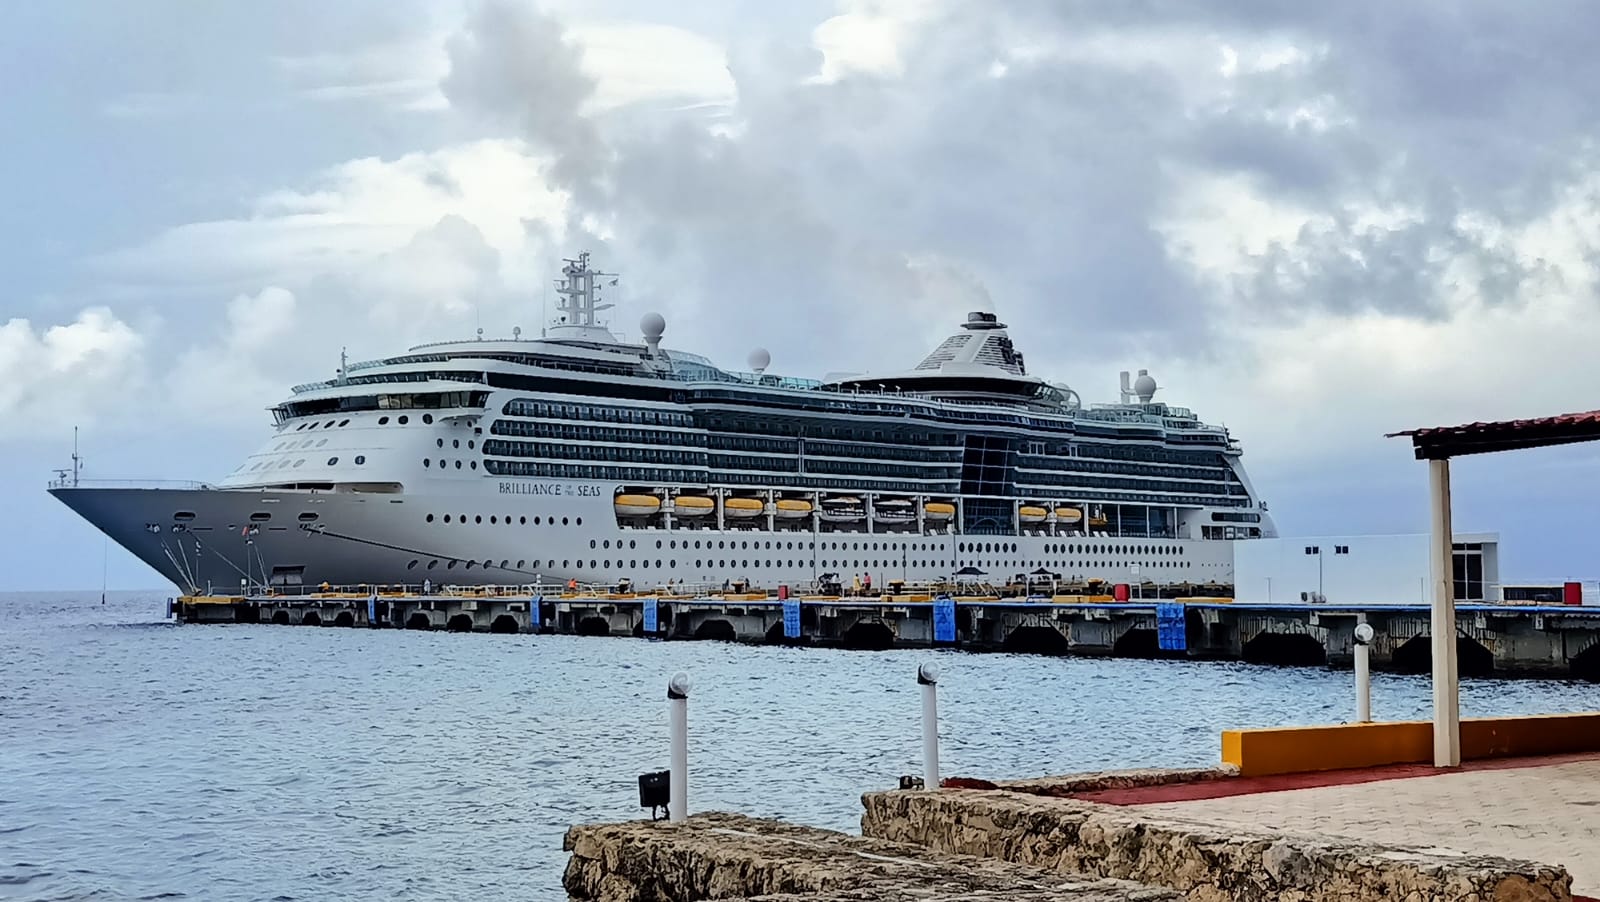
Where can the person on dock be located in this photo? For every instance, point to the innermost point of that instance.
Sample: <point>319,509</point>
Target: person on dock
<point>855,584</point>
<point>866,582</point>
<point>427,587</point>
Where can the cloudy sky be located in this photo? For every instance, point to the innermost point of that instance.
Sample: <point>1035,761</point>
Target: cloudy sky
<point>1314,223</point>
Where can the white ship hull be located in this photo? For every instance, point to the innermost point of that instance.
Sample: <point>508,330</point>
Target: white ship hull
<point>523,531</point>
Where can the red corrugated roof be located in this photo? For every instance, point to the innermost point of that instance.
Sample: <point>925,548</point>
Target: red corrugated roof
<point>1586,418</point>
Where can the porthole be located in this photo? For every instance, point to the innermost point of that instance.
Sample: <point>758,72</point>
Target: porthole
<point>565,564</point>
<point>474,465</point>
<point>450,566</point>
<point>471,444</point>
<point>432,564</point>
<point>672,563</point>
<point>412,565</point>
<point>580,521</point>
<point>658,544</point>
<point>504,565</point>
<point>260,517</point>
<point>563,520</point>
<point>493,520</point>
<point>522,520</point>
<point>595,544</point>
<point>521,564</point>
<point>308,517</point>
<point>186,516</point>
<point>430,518</point>
<point>343,423</point>
<point>321,442</point>
<point>607,563</point>
<point>462,519</point>
<point>536,520</point>
<point>439,442</point>
<point>471,564</point>
<point>592,565</point>
<point>383,421</point>
<point>299,462</point>
<point>328,425</point>
<point>402,419</point>
<point>332,461</point>
<point>478,518</point>
<point>447,518</point>
<point>427,418</point>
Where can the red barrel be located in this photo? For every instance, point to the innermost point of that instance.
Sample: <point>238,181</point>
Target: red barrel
<point>1572,593</point>
<point>783,593</point>
<point>1120,591</point>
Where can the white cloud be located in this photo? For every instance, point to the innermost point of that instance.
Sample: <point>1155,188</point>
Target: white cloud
<point>66,373</point>
<point>868,37</point>
<point>353,213</point>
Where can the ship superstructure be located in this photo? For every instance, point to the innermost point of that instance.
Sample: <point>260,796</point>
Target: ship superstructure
<point>580,456</point>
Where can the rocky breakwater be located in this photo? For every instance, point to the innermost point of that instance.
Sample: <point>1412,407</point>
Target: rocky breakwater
<point>1203,862</point>
<point>730,857</point>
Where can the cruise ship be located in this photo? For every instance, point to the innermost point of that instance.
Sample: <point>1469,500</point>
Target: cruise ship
<point>581,456</point>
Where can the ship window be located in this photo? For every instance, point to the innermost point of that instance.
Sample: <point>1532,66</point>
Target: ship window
<point>184,516</point>
<point>430,518</point>
<point>450,566</point>
<point>474,465</point>
<point>439,442</point>
<point>426,463</point>
<point>403,419</point>
<point>458,465</point>
<point>447,518</point>
<point>455,443</point>
<point>343,423</point>
<point>478,519</point>
<point>522,520</point>
<point>260,517</point>
<point>328,425</point>
<point>493,520</point>
<point>360,459</point>
<point>332,461</point>
<point>299,462</point>
<point>521,564</point>
<point>471,444</point>
<point>563,520</point>
<point>413,565</point>
<point>428,418</point>
<point>383,421</point>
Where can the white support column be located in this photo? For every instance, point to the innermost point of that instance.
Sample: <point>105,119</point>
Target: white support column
<point>1446,684</point>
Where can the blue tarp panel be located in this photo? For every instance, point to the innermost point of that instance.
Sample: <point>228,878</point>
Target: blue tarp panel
<point>1172,632</point>
<point>791,620</point>
<point>372,609</point>
<point>944,619</point>
<point>650,621</point>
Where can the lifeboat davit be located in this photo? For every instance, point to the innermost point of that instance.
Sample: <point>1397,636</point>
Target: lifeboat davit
<point>1031,514</point>
<point>842,510</point>
<point>742,507</point>
<point>938,510</point>
<point>792,509</point>
<point>693,505</point>
<point>1068,515</point>
<point>637,505</point>
<point>895,510</point>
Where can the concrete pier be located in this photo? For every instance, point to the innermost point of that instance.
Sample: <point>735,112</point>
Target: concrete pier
<point>1528,640</point>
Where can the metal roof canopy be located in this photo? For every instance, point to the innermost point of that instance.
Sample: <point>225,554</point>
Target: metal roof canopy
<point>1444,442</point>
<point>1436,446</point>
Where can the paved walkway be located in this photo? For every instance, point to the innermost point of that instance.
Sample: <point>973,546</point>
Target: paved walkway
<point>1544,812</point>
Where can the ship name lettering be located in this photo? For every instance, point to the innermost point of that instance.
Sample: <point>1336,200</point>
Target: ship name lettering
<point>530,488</point>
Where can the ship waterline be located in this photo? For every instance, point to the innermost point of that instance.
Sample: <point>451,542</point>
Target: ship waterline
<point>580,456</point>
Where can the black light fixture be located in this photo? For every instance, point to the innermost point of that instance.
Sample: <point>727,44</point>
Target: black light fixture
<point>655,791</point>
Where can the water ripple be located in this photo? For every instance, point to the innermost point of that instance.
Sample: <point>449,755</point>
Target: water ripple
<point>149,761</point>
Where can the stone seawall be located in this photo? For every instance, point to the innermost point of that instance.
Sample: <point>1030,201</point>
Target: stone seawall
<point>1204,862</point>
<point>730,857</point>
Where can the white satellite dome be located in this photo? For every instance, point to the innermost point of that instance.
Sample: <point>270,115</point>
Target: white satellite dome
<point>652,325</point>
<point>759,360</point>
<point>1144,386</point>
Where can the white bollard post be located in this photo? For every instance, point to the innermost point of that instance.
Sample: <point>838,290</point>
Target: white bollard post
<point>678,735</point>
<point>928,679</point>
<point>1363,649</point>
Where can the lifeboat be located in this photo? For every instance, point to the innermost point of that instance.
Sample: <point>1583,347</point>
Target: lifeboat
<point>938,510</point>
<point>792,509</point>
<point>895,510</point>
<point>1068,515</point>
<point>1031,514</point>
<point>842,510</point>
<point>1099,520</point>
<point>742,507</point>
<point>637,505</point>
<point>693,505</point>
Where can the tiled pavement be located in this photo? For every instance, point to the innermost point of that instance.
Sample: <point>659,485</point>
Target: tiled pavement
<point>1546,813</point>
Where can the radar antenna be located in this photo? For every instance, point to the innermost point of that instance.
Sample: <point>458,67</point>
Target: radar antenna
<point>579,290</point>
